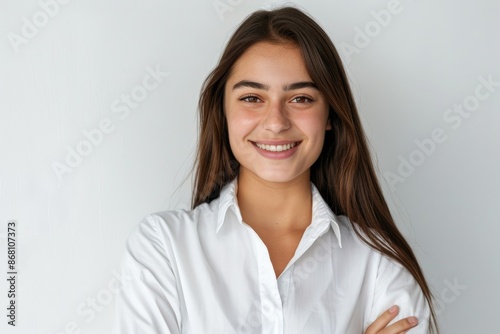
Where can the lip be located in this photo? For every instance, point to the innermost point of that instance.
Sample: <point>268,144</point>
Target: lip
<point>276,142</point>
<point>276,155</point>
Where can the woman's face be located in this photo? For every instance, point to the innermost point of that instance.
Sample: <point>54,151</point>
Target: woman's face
<point>276,116</point>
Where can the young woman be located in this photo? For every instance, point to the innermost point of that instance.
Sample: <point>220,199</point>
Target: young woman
<point>289,231</point>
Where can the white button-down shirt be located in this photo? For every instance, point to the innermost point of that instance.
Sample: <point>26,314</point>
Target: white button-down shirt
<point>205,271</point>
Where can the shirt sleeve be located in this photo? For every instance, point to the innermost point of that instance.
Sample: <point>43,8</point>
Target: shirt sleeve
<point>396,286</point>
<point>149,302</point>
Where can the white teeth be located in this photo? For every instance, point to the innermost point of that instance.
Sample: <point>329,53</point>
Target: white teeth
<point>276,148</point>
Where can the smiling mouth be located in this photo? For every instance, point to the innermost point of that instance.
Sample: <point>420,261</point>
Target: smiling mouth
<point>276,148</point>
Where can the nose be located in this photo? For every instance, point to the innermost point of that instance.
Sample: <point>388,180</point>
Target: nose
<point>276,119</point>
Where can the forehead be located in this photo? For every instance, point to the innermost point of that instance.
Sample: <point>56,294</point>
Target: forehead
<point>271,61</point>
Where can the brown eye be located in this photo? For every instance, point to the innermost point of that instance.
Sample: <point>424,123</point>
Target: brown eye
<point>302,99</point>
<point>250,98</point>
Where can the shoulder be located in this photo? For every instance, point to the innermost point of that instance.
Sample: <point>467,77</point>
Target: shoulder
<point>383,268</point>
<point>157,234</point>
<point>179,223</point>
<point>353,238</point>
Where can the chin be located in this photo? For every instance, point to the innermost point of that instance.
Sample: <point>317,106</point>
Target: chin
<point>278,177</point>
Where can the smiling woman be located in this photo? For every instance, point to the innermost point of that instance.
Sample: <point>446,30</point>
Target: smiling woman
<point>276,115</point>
<point>289,231</point>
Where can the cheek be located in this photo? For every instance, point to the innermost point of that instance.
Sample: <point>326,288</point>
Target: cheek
<point>232,135</point>
<point>315,129</point>
<point>237,132</point>
<point>314,125</point>
<point>240,124</point>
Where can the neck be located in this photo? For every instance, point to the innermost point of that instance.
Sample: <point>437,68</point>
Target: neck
<point>275,206</point>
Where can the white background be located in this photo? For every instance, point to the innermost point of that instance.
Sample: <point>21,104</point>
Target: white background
<point>65,75</point>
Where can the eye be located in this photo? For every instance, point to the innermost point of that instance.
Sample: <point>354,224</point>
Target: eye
<point>250,99</point>
<point>302,99</point>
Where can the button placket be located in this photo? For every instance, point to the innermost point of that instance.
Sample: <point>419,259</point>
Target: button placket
<point>271,307</point>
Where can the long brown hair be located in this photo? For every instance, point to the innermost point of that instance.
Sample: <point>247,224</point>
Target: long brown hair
<point>344,172</point>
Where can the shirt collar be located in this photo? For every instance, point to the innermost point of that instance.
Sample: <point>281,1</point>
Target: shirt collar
<point>322,214</point>
<point>227,199</point>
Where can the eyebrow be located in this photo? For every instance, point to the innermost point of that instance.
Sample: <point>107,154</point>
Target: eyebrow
<point>257,85</point>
